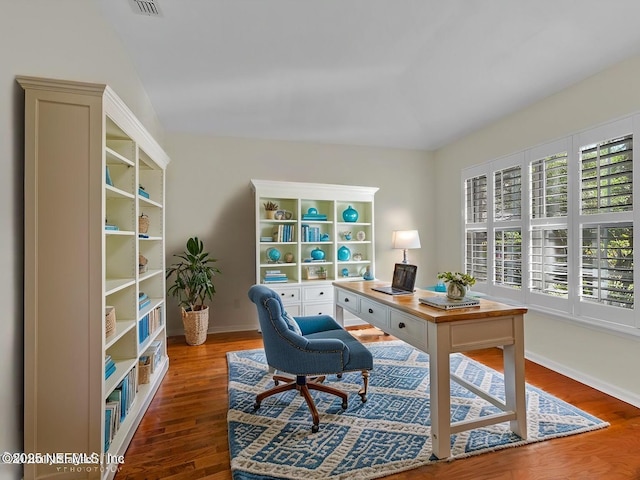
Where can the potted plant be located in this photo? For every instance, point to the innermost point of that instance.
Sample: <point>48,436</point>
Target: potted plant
<point>270,209</point>
<point>192,286</point>
<point>457,284</point>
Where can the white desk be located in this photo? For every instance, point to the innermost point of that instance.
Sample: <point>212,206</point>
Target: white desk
<point>440,333</point>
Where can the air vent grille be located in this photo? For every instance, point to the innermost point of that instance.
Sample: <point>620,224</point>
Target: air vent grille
<point>146,7</point>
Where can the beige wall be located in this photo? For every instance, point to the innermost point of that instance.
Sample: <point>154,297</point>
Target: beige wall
<point>208,195</point>
<point>64,39</point>
<point>599,359</point>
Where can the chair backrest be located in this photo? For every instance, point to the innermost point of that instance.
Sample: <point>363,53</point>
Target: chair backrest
<point>277,337</point>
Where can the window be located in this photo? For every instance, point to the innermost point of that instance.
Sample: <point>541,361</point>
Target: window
<point>544,249</point>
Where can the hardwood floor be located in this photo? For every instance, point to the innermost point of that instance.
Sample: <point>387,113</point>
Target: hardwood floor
<point>184,433</point>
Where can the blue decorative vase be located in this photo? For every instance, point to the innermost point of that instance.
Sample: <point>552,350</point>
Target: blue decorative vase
<point>312,211</point>
<point>344,254</point>
<point>350,214</point>
<point>273,254</point>
<point>345,272</point>
<point>317,254</point>
<point>368,275</point>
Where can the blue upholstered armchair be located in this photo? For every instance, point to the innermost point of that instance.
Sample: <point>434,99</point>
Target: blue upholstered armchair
<point>312,346</point>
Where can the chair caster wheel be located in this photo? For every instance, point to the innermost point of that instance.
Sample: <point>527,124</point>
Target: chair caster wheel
<point>315,429</point>
<point>363,397</point>
<point>276,383</point>
<point>344,405</point>
<point>256,406</point>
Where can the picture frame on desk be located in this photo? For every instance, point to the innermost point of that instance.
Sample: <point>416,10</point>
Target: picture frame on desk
<point>315,273</point>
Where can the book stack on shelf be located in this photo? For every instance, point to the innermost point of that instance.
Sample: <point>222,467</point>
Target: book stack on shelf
<point>311,234</point>
<point>284,233</point>
<point>275,276</point>
<point>143,300</point>
<point>109,366</point>
<point>142,192</point>
<point>154,355</point>
<point>319,217</point>
<point>149,323</point>
<point>111,227</point>
<point>117,406</point>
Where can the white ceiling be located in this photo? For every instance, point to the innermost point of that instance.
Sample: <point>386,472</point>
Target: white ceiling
<point>396,73</point>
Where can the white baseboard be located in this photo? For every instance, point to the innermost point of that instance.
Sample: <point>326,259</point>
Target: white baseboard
<point>581,377</point>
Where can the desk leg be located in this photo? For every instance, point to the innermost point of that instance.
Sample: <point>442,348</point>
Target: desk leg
<point>440,389</point>
<point>514,380</point>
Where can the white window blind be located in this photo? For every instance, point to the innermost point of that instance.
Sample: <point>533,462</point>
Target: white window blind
<point>476,199</point>
<point>549,188</point>
<point>508,193</point>
<point>508,258</point>
<point>476,261</point>
<point>549,261</point>
<point>607,176</point>
<point>607,265</point>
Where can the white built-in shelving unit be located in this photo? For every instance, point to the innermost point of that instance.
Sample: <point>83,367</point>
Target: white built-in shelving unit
<point>308,288</point>
<point>75,267</point>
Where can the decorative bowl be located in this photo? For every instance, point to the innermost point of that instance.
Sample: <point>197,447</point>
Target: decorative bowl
<point>344,254</point>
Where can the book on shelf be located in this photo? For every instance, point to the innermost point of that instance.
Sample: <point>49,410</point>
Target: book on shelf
<point>111,227</point>
<point>109,368</point>
<point>283,233</point>
<point>143,193</point>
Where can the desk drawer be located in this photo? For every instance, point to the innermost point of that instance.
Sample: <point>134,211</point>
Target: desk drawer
<point>288,294</point>
<point>317,309</point>
<point>348,301</point>
<point>374,313</point>
<point>410,329</point>
<point>322,293</point>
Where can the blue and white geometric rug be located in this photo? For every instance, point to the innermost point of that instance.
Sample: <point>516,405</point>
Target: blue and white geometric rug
<point>387,434</point>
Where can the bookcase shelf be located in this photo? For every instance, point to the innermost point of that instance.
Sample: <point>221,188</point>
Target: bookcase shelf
<point>82,254</point>
<point>305,285</point>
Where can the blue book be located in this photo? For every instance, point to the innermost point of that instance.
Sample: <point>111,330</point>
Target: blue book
<point>109,371</point>
<point>107,429</point>
<point>142,193</point>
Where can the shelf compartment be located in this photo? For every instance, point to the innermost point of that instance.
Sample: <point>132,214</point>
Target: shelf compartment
<point>121,256</point>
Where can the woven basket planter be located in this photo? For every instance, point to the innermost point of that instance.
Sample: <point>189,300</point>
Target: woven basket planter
<point>195,325</point>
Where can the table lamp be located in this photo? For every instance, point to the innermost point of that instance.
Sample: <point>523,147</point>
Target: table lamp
<point>406,239</point>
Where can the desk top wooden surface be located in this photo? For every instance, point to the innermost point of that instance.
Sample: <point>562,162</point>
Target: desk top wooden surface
<point>411,305</point>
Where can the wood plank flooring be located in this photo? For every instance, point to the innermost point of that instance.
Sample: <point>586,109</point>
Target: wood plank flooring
<point>184,433</point>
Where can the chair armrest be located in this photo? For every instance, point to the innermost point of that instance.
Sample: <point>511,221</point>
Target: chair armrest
<point>317,323</point>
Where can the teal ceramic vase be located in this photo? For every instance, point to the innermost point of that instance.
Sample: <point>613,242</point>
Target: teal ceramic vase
<point>350,214</point>
<point>317,254</point>
<point>344,254</point>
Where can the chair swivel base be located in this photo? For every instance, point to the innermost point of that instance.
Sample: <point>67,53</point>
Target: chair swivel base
<point>303,385</point>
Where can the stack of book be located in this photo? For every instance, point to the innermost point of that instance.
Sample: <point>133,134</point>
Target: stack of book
<point>109,366</point>
<point>310,234</point>
<point>153,354</point>
<point>283,233</point>
<point>143,300</point>
<point>319,217</point>
<point>117,406</point>
<point>275,276</point>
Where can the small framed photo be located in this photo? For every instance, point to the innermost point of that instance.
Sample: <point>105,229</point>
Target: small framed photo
<point>315,273</point>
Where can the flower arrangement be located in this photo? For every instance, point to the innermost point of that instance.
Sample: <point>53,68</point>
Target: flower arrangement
<point>457,277</point>
<point>270,206</point>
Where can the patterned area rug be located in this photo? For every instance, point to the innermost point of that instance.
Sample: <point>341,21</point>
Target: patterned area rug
<point>387,434</point>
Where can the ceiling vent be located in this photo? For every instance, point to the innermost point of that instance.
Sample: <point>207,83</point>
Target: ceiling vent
<point>146,7</point>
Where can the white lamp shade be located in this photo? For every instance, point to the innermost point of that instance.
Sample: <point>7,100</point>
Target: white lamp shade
<point>406,239</point>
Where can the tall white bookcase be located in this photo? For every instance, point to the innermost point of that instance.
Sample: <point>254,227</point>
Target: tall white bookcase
<point>348,245</point>
<point>75,267</point>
